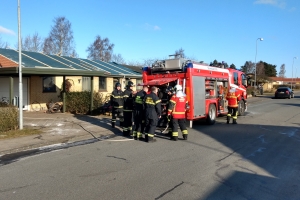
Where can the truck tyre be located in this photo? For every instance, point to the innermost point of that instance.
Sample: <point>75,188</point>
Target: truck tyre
<point>211,118</point>
<point>241,108</point>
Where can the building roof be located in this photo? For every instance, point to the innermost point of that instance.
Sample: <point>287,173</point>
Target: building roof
<point>39,63</point>
<point>285,79</point>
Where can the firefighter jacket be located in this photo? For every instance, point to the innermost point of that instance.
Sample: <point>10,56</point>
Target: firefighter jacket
<point>233,98</point>
<point>139,100</point>
<point>116,99</point>
<point>152,106</point>
<point>128,100</point>
<point>177,107</point>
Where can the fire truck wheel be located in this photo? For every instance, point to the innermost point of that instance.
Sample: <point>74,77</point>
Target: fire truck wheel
<point>211,118</point>
<point>241,110</point>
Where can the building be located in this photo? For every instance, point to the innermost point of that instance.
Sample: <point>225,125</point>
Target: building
<point>44,76</point>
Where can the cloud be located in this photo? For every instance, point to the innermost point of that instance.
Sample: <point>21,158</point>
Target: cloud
<point>277,3</point>
<point>6,31</point>
<point>151,27</point>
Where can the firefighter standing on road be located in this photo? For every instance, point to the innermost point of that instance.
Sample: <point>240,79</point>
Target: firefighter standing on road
<point>170,92</point>
<point>116,101</point>
<point>177,107</point>
<point>128,108</point>
<point>139,113</point>
<point>233,98</point>
<point>152,114</point>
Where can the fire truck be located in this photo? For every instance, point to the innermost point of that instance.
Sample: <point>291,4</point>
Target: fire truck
<point>205,86</point>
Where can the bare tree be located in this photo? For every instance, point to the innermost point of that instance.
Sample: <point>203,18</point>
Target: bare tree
<point>117,58</point>
<point>3,44</point>
<point>60,40</point>
<point>179,53</point>
<point>134,63</point>
<point>249,67</point>
<point>282,71</point>
<point>31,43</point>
<point>100,49</point>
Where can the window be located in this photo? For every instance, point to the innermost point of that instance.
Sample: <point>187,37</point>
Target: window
<point>116,80</point>
<point>86,83</point>
<point>102,83</point>
<point>235,78</point>
<point>244,80</point>
<point>139,81</point>
<point>49,84</point>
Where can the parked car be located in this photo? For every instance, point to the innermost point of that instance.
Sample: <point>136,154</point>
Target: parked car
<point>284,92</point>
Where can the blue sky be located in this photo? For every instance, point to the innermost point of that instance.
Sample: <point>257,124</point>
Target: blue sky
<point>226,30</point>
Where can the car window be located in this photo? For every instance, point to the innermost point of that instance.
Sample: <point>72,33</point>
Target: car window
<point>282,89</point>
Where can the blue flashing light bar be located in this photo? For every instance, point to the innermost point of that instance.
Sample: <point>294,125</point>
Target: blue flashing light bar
<point>189,65</point>
<point>145,69</point>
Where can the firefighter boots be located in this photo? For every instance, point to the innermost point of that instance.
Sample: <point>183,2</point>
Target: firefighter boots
<point>185,136</point>
<point>151,140</point>
<point>228,119</point>
<point>113,125</point>
<point>146,137</point>
<point>234,121</point>
<point>175,138</point>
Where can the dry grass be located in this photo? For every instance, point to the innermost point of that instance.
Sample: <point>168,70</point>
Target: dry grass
<point>19,133</point>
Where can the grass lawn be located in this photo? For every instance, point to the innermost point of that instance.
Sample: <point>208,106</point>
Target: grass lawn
<point>19,133</point>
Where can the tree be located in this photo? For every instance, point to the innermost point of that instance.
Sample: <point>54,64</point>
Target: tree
<point>232,66</point>
<point>100,49</point>
<point>282,71</point>
<point>117,58</point>
<point>179,53</point>
<point>3,44</point>
<point>60,40</point>
<point>270,70</point>
<point>33,43</point>
<point>248,68</point>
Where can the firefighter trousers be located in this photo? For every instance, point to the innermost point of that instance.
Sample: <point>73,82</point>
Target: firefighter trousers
<point>139,124</point>
<point>127,126</point>
<point>117,113</point>
<point>150,127</point>
<point>232,113</point>
<point>181,124</point>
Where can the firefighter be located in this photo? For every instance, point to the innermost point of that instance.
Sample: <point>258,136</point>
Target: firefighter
<point>176,109</point>
<point>152,113</point>
<point>170,93</point>
<point>233,97</point>
<point>116,101</point>
<point>139,114</point>
<point>128,108</point>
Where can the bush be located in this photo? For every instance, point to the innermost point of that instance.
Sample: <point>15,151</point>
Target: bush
<point>250,90</point>
<point>8,118</point>
<point>79,102</point>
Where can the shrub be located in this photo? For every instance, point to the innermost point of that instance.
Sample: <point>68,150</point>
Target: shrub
<point>79,102</point>
<point>8,118</point>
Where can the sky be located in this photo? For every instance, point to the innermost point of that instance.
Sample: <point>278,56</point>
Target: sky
<point>225,30</point>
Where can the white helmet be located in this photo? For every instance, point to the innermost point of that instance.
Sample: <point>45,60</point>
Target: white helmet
<point>178,88</point>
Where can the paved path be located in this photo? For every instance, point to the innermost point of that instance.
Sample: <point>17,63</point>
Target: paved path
<point>59,128</point>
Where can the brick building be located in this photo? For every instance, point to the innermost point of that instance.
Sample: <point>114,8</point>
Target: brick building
<point>44,76</point>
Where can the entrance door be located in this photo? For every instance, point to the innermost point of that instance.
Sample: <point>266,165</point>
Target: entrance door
<point>4,89</point>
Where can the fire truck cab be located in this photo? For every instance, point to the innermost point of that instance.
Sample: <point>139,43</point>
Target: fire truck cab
<point>205,86</point>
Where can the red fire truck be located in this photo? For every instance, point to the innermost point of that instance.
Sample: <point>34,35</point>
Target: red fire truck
<point>205,86</point>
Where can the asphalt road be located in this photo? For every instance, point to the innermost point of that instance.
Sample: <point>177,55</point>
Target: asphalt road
<point>256,159</point>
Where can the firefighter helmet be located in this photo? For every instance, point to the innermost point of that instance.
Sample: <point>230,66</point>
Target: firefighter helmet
<point>178,88</point>
<point>130,84</point>
<point>117,85</point>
